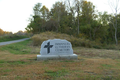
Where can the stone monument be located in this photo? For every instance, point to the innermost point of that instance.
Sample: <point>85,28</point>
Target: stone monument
<point>56,49</point>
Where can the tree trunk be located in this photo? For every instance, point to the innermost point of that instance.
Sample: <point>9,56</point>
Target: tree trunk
<point>116,29</point>
<point>116,6</point>
<point>78,23</point>
<point>116,36</point>
<point>78,16</point>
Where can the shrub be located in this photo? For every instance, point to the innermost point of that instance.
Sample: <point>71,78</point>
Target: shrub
<point>39,38</point>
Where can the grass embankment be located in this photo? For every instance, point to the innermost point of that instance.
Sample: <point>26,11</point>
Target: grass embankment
<point>76,42</point>
<point>39,38</point>
<point>11,37</point>
<point>18,62</point>
<point>20,48</point>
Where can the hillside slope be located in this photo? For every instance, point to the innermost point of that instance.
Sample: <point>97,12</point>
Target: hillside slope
<point>39,38</point>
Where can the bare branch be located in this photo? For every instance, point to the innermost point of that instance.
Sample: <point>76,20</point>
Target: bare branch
<point>115,6</point>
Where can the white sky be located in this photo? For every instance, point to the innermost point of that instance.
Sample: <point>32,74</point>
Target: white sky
<point>14,14</point>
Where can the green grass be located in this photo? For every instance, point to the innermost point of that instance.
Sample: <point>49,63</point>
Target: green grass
<point>68,61</point>
<point>13,62</point>
<point>18,62</point>
<point>107,66</point>
<point>7,70</point>
<point>55,74</point>
<point>11,37</point>
<point>92,64</point>
<point>18,48</point>
<point>3,61</point>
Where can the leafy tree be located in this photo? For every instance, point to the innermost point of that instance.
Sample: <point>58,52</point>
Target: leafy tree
<point>44,13</point>
<point>72,11</point>
<point>36,9</point>
<point>51,25</point>
<point>87,18</point>
<point>88,12</point>
<point>58,12</point>
<point>78,19</point>
<point>36,24</point>
<point>1,32</point>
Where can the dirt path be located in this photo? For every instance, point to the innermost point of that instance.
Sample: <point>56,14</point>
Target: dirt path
<point>10,42</point>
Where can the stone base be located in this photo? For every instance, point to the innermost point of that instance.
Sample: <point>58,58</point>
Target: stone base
<point>52,57</point>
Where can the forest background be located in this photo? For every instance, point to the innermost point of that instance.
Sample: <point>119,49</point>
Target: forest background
<point>78,18</point>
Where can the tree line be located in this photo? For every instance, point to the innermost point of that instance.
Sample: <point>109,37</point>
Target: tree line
<point>7,33</point>
<point>4,32</point>
<point>78,18</point>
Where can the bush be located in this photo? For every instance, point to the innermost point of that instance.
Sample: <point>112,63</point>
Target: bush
<point>39,38</point>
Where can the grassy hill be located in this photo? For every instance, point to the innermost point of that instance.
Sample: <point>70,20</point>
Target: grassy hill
<point>39,38</point>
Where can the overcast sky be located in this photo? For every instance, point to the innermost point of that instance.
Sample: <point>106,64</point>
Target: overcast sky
<point>14,14</point>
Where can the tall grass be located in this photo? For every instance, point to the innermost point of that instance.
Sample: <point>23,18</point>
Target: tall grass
<point>39,38</point>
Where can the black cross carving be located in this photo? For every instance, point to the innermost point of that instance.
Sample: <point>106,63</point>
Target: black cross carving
<point>48,46</point>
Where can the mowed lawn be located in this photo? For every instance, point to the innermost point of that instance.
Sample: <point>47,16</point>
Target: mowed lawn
<point>18,62</point>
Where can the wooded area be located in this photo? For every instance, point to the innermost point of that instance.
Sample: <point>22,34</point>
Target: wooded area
<point>7,33</point>
<point>78,18</point>
<point>4,32</point>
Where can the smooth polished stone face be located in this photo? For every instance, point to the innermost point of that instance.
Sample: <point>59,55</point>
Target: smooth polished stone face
<point>56,47</point>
